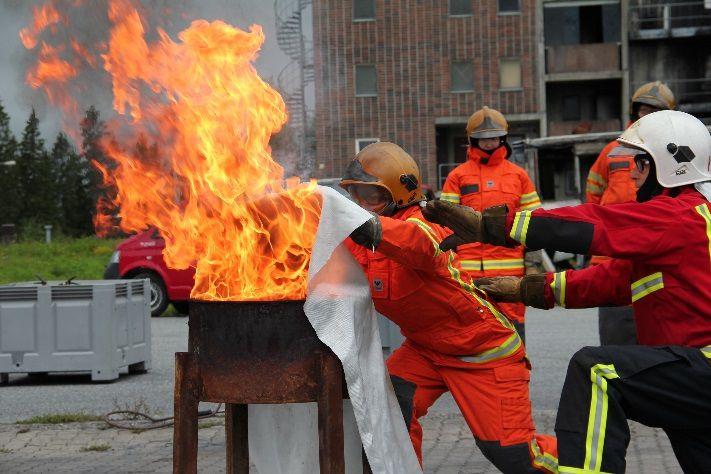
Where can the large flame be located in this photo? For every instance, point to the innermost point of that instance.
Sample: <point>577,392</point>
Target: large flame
<point>205,179</point>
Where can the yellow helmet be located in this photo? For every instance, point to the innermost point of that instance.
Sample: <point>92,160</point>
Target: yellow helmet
<point>655,94</point>
<point>388,166</point>
<point>487,123</point>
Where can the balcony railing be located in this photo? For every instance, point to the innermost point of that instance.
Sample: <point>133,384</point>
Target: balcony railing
<point>563,127</point>
<point>662,20</point>
<point>591,57</point>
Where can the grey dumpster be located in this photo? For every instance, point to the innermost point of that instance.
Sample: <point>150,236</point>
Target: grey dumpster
<point>96,326</point>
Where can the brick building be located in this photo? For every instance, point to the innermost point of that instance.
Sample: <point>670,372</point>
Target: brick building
<point>412,71</point>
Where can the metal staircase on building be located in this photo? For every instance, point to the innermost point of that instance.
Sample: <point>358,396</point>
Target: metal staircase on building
<point>295,76</point>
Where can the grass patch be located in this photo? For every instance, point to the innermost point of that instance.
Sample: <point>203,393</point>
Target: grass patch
<point>64,258</point>
<point>96,447</point>
<point>56,418</point>
<point>5,451</point>
<point>208,424</point>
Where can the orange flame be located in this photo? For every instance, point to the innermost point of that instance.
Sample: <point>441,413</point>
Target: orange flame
<point>209,183</point>
<point>44,16</point>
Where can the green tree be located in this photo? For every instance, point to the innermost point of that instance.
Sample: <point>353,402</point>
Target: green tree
<point>75,200</point>
<point>93,130</point>
<point>37,178</point>
<point>9,210</point>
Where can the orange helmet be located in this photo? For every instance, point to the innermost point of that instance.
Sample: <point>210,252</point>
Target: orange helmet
<point>655,94</point>
<point>487,123</point>
<point>388,166</point>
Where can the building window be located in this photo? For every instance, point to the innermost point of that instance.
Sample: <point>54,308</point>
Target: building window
<point>571,107</point>
<point>462,77</point>
<point>581,24</point>
<point>460,7</point>
<point>365,81</point>
<point>361,143</point>
<point>510,73</point>
<point>363,10</point>
<point>509,6</point>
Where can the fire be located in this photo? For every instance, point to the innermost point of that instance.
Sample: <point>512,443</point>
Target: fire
<point>44,16</point>
<point>206,181</point>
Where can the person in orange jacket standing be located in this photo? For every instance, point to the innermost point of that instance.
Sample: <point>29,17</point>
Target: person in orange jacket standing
<point>609,182</point>
<point>487,179</point>
<point>457,340</point>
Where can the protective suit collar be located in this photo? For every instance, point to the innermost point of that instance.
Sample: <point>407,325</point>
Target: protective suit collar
<point>478,155</point>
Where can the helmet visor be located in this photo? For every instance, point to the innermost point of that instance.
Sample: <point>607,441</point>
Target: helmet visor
<point>625,151</point>
<point>370,197</point>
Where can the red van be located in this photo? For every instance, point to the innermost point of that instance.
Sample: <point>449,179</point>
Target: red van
<point>141,256</point>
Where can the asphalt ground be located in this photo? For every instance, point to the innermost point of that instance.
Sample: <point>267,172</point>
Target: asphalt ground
<point>552,337</point>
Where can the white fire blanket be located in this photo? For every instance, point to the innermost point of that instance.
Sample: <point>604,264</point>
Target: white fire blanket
<point>283,438</point>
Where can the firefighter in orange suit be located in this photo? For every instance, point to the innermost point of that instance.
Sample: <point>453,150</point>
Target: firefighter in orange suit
<point>609,182</point>
<point>487,179</point>
<point>457,340</point>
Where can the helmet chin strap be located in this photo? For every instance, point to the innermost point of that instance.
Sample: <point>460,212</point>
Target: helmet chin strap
<point>651,186</point>
<point>388,210</point>
<point>391,208</point>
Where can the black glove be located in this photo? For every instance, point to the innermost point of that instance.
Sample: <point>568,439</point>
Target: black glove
<point>369,234</point>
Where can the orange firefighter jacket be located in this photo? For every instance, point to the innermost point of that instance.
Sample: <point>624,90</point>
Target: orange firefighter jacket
<point>485,181</point>
<point>423,291</point>
<point>609,182</point>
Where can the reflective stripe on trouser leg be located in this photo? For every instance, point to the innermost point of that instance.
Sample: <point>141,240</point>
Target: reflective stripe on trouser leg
<point>597,418</point>
<point>591,427</point>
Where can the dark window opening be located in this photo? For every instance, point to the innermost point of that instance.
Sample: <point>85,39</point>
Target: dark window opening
<point>363,9</point>
<point>571,107</point>
<point>507,6</point>
<point>462,77</point>
<point>365,80</point>
<point>460,7</point>
<point>582,25</point>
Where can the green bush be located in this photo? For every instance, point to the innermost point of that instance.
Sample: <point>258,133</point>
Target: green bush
<point>63,258</point>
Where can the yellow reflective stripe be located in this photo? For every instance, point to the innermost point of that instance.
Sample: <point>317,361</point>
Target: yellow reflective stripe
<point>472,290</point>
<point>519,229</point>
<point>597,418</point>
<point>451,197</point>
<point>428,232</point>
<point>470,264</point>
<point>594,189</point>
<point>558,286</point>
<point>543,460</point>
<point>647,285</point>
<point>510,346</point>
<point>706,351</point>
<point>704,211</point>
<point>502,264</point>
<point>530,197</point>
<point>593,177</point>
<point>532,206</point>
<point>577,470</point>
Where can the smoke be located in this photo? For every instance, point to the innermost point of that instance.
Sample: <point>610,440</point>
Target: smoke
<point>89,27</point>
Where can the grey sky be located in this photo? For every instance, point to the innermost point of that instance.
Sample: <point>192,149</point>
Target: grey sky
<point>18,99</point>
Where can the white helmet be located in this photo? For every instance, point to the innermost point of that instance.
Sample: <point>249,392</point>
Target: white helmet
<point>679,144</point>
